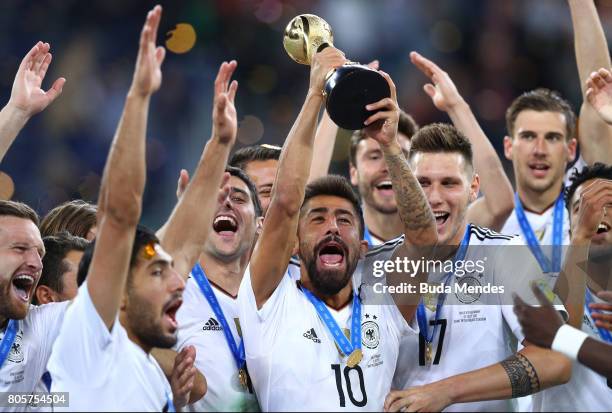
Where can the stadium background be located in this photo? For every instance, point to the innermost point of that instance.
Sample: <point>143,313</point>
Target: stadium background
<point>492,49</point>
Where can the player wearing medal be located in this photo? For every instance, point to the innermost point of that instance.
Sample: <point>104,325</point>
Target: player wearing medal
<point>469,334</point>
<point>26,332</point>
<point>591,242</point>
<point>298,356</point>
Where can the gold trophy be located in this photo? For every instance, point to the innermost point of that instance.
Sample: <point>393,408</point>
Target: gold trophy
<point>349,88</point>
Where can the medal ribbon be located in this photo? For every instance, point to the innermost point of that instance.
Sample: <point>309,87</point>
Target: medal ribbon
<point>209,294</point>
<point>421,314</point>
<point>603,333</point>
<point>8,340</point>
<point>532,241</point>
<point>341,340</point>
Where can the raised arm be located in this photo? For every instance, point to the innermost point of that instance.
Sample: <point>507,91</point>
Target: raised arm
<point>123,181</point>
<point>27,97</point>
<point>414,211</point>
<point>592,54</point>
<point>590,213</point>
<point>187,229</point>
<point>275,244</point>
<point>497,204</point>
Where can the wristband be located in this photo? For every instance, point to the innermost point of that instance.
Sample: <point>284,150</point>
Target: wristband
<point>568,341</point>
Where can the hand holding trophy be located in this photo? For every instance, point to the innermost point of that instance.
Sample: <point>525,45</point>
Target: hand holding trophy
<point>349,88</point>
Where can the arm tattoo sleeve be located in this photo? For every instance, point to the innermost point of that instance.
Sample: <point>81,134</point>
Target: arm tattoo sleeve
<point>523,376</point>
<point>412,204</point>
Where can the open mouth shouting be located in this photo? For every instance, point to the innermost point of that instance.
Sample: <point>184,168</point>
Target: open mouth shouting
<point>170,310</point>
<point>539,169</point>
<point>384,187</point>
<point>441,218</point>
<point>22,286</point>
<point>225,225</point>
<point>332,254</point>
<point>602,231</point>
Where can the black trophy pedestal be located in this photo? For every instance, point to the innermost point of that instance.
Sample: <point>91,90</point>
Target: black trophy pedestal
<point>349,89</point>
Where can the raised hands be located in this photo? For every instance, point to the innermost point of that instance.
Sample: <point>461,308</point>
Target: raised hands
<point>147,73</point>
<point>382,126</point>
<point>603,320</point>
<point>322,63</point>
<point>183,376</point>
<point>225,123</point>
<point>592,210</point>
<point>540,324</point>
<point>443,91</point>
<point>599,93</point>
<point>27,95</point>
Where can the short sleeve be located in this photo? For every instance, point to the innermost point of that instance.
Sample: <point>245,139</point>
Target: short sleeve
<point>84,343</point>
<point>260,326</point>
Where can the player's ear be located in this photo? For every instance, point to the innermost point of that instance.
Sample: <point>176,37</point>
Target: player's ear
<point>44,295</point>
<point>354,175</point>
<point>474,187</point>
<point>363,248</point>
<point>259,225</point>
<point>508,147</point>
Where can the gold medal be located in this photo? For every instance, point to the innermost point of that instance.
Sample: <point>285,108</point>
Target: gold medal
<point>428,353</point>
<point>354,358</point>
<point>243,378</point>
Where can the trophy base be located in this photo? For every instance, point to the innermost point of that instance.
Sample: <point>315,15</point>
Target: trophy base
<point>349,90</point>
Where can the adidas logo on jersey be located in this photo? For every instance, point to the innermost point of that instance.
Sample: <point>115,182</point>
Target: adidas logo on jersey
<point>212,325</point>
<point>311,335</point>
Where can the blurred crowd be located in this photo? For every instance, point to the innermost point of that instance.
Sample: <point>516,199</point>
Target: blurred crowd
<point>494,50</point>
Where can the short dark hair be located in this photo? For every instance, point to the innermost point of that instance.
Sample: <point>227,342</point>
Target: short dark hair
<point>239,173</point>
<point>441,137</point>
<point>244,156</point>
<point>407,126</point>
<point>18,210</point>
<point>597,170</point>
<point>77,217</point>
<point>335,185</point>
<point>541,100</point>
<point>144,237</point>
<point>54,267</point>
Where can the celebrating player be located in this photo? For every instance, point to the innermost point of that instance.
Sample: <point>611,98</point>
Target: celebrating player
<point>292,330</point>
<point>591,243</point>
<point>128,304</point>
<point>432,367</point>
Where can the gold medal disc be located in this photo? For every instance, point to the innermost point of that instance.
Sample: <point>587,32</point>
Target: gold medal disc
<point>354,358</point>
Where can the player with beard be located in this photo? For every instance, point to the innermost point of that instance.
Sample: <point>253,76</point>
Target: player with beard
<point>26,332</point>
<point>129,302</point>
<point>292,330</point>
<point>456,358</point>
<point>591,242</point>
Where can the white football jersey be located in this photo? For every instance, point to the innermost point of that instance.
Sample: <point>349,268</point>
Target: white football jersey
<point>542,225</point>
<point>104,370</point>
<point>586,391</point>
<point>199,327</point>
<point>293,359</point>
<point>29,354</point>
<point>474,330</point>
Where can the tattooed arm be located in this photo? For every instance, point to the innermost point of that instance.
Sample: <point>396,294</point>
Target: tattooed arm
<point>531,370</point>
<point>420,232</point>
